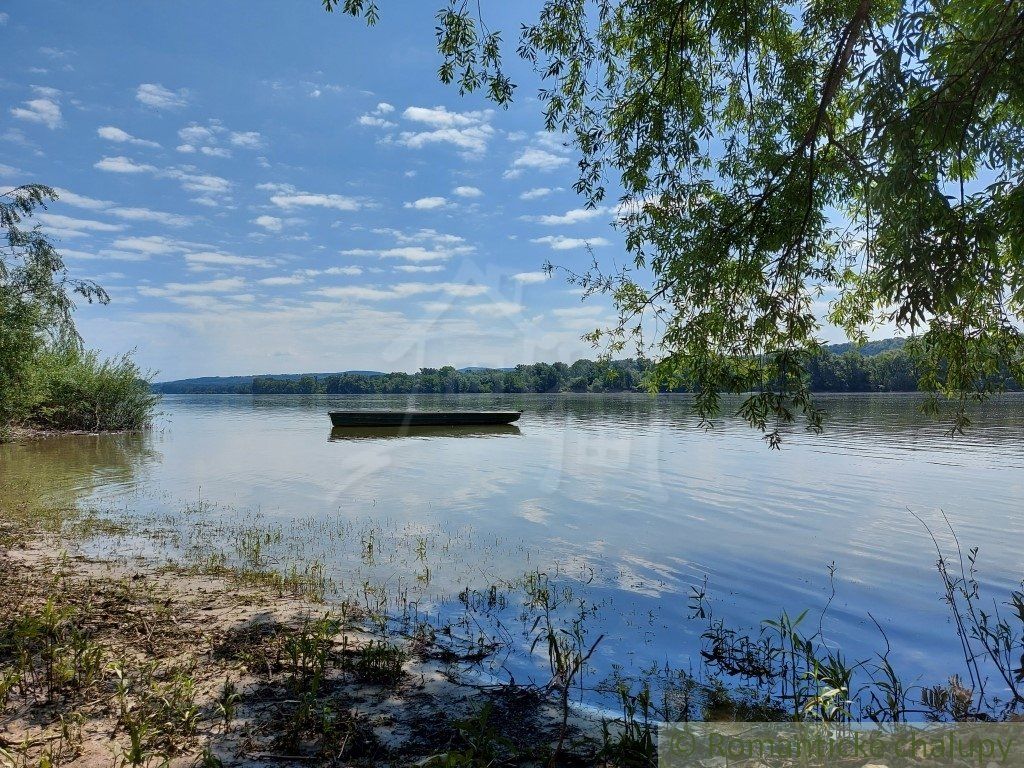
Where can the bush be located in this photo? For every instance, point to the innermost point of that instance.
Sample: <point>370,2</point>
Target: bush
<point>76,389</point>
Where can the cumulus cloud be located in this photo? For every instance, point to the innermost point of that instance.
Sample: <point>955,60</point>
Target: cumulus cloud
<point>574,216</point>
<point>146,214</point>
<point>223,285</point>
<point>206,139</point>
<point>269,223</point>
<point>45,109</point>
<point>427,203</point>
<point>189,177</point>
<point>212,258</point>
<point>122,212</point>
<point>309,199</point>
<point>467,192</point>
<point>562,243</point>
<point>67,226</point>
<point>528,278</point>
<point>156,96</point>
<point>400,291</point>
<point>535,159</point>
<point>152,245</point>
<point>423,245</point>
<point>246,139</point>
<point>283,280</point>
<point>496,308</point>
<point>538,192</point>
<point>121,164</point>
<point>119,136</point>
<point>376,117</point>
<point>468,131</point>
<point>419,268</point>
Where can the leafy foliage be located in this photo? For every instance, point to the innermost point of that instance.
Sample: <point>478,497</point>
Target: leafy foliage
<point>774,157</point>
<point>78,390</point>
<point>35,295</point>
<point>45,375</point>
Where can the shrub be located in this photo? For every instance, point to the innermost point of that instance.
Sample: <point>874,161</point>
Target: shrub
<point>76,389</point>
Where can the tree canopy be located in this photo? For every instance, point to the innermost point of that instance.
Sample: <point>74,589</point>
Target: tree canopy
<point>777,165</point>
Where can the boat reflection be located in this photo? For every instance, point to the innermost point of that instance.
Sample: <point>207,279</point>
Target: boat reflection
<point>342,434</point>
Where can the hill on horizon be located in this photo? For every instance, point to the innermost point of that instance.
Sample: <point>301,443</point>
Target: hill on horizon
<point>243,384</point>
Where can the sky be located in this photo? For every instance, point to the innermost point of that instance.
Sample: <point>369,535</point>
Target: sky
<point>263,187</point>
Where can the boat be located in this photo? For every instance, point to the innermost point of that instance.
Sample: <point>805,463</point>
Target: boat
<point>421,418</point>
<point>350,434</point>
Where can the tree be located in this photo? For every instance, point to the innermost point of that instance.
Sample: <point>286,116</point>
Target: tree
<point>36,297</point>
<point>768,155</point>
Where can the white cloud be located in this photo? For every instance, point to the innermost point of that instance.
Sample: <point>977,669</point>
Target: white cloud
<point>376,118</point>
<point>535,159</point>
<point>574,216</point>
<point>197,134</point>
<point>146,214</point>
<point>423,245</point>
<point>127,213</point>
<point>562,243</point>
<point>496,308</point>
<point>215,151</point>
<point>187,176</point>
<point>419,268</point>
<point>224,285</point>
<point>81,201</point>
<point>469,131</point>
<point>375,122</point>
<point>121,164</point>
<point>440,117</point>
<point>538,192</point>
<point>44,110</point>
<point>283,280</point>
<point>269,223</point>
<point>224,260</point>
<point>467,192</point>
<point>400,291</point>
<point>288,197</point>
<point>529,278</point>
<point>4,18</point>
<point>156,96</point>
<point>198,182</point>
<point>585,310</point>
<point>246,139</point>
<point>70,227</point>
<point>427,203</point>
<point>115,134</point>
<point>153,245</point>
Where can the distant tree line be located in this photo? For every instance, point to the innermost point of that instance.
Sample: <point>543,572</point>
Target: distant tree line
<point>883,366</point>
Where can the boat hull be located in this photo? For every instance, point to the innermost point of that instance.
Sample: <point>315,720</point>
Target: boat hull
<point>421,418</point>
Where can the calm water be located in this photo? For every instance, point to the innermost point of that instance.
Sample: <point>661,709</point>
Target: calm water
<point>622,498</point>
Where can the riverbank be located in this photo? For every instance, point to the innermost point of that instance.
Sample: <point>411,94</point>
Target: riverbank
<point>140,664</point>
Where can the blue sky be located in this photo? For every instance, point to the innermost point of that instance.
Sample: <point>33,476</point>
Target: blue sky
<point>270,190</point>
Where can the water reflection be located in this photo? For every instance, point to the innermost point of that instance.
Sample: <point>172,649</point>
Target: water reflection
<point>64,471</point>
<point>341,434</point>
<point>625,495</point>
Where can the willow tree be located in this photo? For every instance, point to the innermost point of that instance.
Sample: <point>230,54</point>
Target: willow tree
<point>780,164</point>
<point>36,296</point>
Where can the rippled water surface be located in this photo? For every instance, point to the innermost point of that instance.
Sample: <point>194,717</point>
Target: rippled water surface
<point>624,498</point>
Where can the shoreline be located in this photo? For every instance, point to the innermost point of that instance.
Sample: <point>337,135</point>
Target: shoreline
<point>142,663</point>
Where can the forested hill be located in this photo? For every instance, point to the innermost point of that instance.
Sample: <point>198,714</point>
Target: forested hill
<point>878,366</point>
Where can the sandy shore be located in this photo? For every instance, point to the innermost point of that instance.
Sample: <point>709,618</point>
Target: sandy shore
<point>109,664</point>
